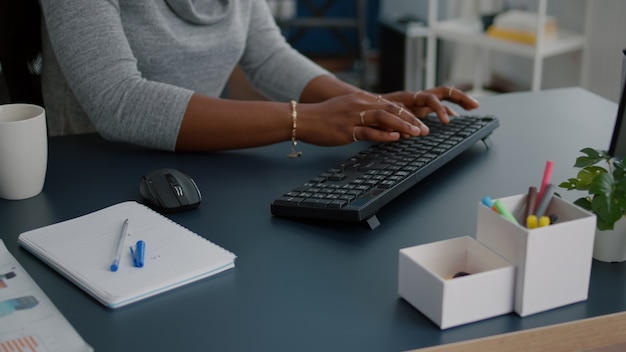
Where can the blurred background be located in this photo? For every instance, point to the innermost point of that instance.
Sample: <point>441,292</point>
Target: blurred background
<point>384,45</point>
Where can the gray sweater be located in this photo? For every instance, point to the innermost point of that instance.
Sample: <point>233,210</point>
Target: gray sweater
<point>127,68</point>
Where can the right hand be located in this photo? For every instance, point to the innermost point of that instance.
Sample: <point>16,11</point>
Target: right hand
<point>337,121</point>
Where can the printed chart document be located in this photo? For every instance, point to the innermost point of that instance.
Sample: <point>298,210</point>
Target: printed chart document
<point>28,319</point>
<point>84,248</point>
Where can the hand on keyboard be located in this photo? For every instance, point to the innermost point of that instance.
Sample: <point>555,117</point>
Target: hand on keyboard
<point>363,116</point>
<point>428,101</point>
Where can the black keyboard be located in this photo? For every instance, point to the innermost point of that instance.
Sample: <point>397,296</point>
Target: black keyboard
<point>357,188</point>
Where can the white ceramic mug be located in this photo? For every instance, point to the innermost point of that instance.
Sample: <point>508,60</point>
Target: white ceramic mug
<point>23,150</point>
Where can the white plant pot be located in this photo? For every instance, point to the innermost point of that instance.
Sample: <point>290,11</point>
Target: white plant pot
<point>610,245</point>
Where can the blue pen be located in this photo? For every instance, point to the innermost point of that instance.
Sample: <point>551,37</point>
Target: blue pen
<point>138,253</point>
<point>120,245</point>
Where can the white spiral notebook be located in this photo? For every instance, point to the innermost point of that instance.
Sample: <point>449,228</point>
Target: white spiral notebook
<point>83,248</point>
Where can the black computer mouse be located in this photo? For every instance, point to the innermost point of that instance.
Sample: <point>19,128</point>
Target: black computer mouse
<point>169,190</point>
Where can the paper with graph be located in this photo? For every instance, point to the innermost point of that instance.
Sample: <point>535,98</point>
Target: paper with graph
<point>29,321</point>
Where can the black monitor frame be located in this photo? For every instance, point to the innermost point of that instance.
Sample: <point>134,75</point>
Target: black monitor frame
<point>617,148</point>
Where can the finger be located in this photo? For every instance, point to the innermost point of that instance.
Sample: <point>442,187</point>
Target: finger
<point>402,111</point>
<point>374,135</point>
<point>432,101</point>
<point>423,128</point>
<point>450,111</point>
<point>411,115</point>
<point>395,118</point>
<point>423,112</point>
<point>457,96</point>
<point>415,121</point>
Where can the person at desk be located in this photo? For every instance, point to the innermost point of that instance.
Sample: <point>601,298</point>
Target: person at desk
<point>152,73</point>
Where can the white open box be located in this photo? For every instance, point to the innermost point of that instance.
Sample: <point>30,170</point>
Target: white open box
<point>426,281</point>
<point>553,263</point>
<point>512,267</point>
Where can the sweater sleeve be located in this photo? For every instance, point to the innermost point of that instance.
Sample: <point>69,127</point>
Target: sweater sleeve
<point>270,63</point>
<point>99,66</point>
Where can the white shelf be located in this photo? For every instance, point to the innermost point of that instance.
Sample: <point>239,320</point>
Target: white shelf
<point>465,32</point>
<point>470,32</point>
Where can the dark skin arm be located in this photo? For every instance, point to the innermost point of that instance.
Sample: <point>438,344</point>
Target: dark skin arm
<point>328,114</point>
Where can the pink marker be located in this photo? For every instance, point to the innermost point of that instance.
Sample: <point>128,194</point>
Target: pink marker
<point>547,174</point>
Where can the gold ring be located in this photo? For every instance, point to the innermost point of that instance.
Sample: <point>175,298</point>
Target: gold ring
<point>378,99</point>
<point>362,114</point>
<point>354,135</point>
<point>450,91</point>
<point>400,111</point>
<point>415,95</point>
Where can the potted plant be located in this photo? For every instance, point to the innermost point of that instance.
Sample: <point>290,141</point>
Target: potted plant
<point>604,180</point>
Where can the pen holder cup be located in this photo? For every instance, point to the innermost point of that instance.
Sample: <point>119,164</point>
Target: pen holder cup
<point>426,280</point>
<point>553,263</point>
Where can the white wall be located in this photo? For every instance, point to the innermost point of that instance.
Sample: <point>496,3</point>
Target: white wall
<point>606,35</point>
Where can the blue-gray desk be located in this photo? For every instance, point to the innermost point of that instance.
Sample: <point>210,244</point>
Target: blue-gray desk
<point>311,286</point>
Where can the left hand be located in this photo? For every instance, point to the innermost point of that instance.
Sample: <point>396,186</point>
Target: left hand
<point>424,102</point>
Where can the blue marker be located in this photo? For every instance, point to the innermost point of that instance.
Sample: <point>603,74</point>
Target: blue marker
<point>138,253</point>
<point>487,201</point>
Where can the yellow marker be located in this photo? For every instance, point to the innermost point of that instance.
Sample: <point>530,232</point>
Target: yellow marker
<point>531,221</point>
<point>544,221</point>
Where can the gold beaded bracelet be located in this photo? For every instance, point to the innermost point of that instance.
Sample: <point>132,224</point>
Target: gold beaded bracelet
<point>294,141</point>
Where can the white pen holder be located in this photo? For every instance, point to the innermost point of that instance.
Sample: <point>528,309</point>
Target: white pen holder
<point>511,268</point>
<point>426,281</point>
<point>553,263</point>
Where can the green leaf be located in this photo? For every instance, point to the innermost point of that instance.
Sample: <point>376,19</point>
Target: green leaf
<point>605,203</point>
<point>620,200</point>
<point>585,177</point>
<point>602,184</point>
<point>593,157</point>
<point>570,184</point>
<point>584,203</point>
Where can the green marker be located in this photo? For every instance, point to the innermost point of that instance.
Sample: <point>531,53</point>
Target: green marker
<point>504,211</point>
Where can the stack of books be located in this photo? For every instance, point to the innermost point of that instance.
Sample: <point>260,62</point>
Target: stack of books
<point>521,26</point>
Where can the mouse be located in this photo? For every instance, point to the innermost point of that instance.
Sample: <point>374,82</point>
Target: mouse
<point>169,190</point>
